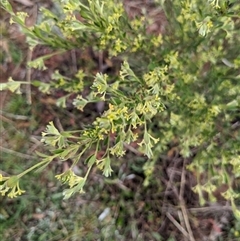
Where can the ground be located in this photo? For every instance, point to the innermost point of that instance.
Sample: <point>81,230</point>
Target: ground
<point>117,208</point>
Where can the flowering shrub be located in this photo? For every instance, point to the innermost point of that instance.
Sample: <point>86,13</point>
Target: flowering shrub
<point>186,90</point>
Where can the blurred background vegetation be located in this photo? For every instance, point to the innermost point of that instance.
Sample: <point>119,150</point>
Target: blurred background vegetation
<point>117,208</point>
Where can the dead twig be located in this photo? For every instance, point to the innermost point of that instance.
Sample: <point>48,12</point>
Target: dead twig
<point>27,3</point>
<point>181,219</point>
<point>132,149</point>
<point>201,210</point>
<point>178,226</point>
<point>12,116</point>
<point>182,203</point>
<point>15,153</point>
<point>5,119</point>
<point>36,145</point>
<point>28,78</point>
<point>74,61</point>
<point>59,125</point>
<point>168,185</point>
<point>212,209</point>
<point>30,22</point>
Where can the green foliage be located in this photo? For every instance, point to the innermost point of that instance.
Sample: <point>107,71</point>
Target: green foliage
<point>186,90</point>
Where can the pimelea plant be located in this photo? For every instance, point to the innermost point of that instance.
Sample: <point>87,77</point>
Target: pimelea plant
<point>186,90</point>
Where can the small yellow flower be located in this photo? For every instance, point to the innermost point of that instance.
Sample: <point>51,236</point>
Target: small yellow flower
<point>11,184</point>
<point>109,29</point>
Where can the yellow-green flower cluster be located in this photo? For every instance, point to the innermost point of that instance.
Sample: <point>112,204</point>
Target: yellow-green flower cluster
<point>157,40</point>
<point>10,185</point>
<point>131,136</point>
<point>70,178</point>
<point>214,3</point>
<point>197,103</point>
<point>150,106</point>
<point>137,23</point>
<point>70,25</point>
<point>112,28</point>
<point>71,6</point>
<point>104,165</point>
<point>118,47</point>
<point>96,133</point>
<point>137,42</point>
<point>19,18</point>
<point>158,75</point>
<point>100,84</point>
<point>135,119</point>
<point>75,183</point>
<point>172,60</point>
<point>214,110</point>
<point>147,143</point>
<point>115,113</point>
<point>113,20</point>
<point>205,26</point>
<point>235,162</point>
<point>118,149</point>
<point>187,12</point>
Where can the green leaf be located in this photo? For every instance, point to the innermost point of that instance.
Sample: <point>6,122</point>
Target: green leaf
<point>233,105</point>
<point>37,64</point>
<point>79,188</point>
<point>44,165</point>
<point>67,193</point>
<point>51,130</point>
<point>41,154</point>
<point>80,102</point>
<point>7,6</point>
<point>13,86</point>
<point>12,181</point>
<point>104,165</point>
<point>236,211</point>
<point>91,160</point>
<point>61,102</point>
<point>43,87</point>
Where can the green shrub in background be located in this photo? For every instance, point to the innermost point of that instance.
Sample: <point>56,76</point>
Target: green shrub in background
<point>180,86</point>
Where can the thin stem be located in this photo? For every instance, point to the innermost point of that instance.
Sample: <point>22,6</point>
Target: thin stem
<point>78,157</point>
<point>28,78</point>
<point>32,168</point>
